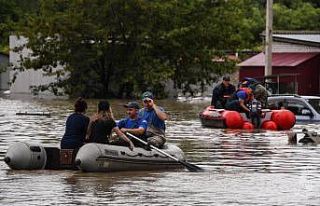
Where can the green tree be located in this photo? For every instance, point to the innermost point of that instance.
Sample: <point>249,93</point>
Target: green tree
<point>298,15</point>
<point>12,12</point>
<point>207,32</point>
<point>121,47</point>
<point>7,15</point>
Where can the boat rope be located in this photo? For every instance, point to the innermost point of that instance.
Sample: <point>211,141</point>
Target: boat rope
<point>142,155</point>
<point>136,155</point>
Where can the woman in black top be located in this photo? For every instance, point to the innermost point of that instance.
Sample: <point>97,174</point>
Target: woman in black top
<point>102,125</point>
<point>76,126</point>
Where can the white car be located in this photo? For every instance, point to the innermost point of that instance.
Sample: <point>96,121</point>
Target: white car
<point>306,108</point>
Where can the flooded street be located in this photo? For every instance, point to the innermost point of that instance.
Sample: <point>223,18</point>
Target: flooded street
<point>240,168</point>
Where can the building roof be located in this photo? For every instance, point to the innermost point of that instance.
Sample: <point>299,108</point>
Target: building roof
<point>300,37</point>
<point>278,59</point>
<point>310,38</point>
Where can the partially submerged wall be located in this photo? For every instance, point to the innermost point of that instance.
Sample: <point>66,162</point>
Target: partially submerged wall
<point>28,78</point>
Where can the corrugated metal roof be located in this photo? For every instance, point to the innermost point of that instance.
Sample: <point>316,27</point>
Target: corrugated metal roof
<point>279,59</point>
<point>300,37</point>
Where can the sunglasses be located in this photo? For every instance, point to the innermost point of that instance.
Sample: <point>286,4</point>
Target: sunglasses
<point>147,101</point>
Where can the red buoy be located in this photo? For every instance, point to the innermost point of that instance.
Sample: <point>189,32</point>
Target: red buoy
<point>269,125</point>
<point>232,119</point>
<point>284,119</point>
<point>247,126</point>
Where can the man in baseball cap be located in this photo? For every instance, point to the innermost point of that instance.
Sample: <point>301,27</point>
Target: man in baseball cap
<point>147,96</point>
<point>222,92</point>
<point>132,123</point>
<point>155,117</point>
<point>132,105</point>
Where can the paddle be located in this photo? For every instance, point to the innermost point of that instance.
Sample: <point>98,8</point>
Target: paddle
<point>189,166</point>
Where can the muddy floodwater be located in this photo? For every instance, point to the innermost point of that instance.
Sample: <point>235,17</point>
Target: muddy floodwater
<point>240,168</point>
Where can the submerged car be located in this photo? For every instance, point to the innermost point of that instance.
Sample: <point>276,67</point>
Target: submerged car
<point>305,108</point>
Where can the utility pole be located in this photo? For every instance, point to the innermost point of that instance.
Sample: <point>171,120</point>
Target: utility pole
<point>268,40</point>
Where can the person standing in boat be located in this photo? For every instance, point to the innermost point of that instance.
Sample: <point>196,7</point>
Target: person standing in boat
<point>222,92</point>
<point>259,91</point>
<point>244,101</point>
<point>76,126</point>
<point>155,117</point>
<point>102,125</point>
<point>133,123</point>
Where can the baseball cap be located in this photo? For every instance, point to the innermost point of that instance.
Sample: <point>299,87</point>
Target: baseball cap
<point>245,83</point>
<point>226,78</point>
<point>147,95</point>
<point>133,105</point>
<point>252,80</point>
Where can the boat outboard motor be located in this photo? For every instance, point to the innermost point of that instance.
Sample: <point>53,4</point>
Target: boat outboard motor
<point>22,155</point>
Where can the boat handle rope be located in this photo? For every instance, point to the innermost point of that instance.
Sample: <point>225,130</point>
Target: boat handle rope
<point>143,155</point>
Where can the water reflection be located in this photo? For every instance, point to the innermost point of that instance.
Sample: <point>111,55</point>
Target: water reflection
<point>260,168</point>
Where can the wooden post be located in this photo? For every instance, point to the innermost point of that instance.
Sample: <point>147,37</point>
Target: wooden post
<point>268,40</point>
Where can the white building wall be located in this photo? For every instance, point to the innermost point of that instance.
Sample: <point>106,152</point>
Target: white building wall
<point>4,76</point>
<point>278,47</point>
<point>27,78</point>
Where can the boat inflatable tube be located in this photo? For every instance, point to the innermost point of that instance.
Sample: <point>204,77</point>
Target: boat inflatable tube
<point>269,125</point>
<point>270,119</point>
<point>284,119</point>
<point>25,156</point>
<point>95,157</point>
<point>232,119</point>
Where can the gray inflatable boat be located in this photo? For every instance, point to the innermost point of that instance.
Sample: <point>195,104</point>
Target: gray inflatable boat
<point>95,157</point>
<point>91,157</point>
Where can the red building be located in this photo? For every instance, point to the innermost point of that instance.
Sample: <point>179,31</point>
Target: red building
<point>295,63</point>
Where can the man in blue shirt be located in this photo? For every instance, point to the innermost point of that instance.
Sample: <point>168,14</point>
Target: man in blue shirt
<point>239,100</point>
<point>132,123</point>
<point>155,117</point>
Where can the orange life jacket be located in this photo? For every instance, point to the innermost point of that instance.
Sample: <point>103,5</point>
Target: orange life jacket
<point>248,91</point>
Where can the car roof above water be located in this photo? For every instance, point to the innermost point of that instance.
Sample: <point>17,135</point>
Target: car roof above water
<point>289,96</point>
<point>310,97</point>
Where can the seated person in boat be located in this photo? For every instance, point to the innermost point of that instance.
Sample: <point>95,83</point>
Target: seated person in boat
<point>155,117</point>
<point>259,91</point>
<point>222,92</point>
<point>76,126</point>
<point>102,125</point>
<point>132,123</point>
<point>240,99</point>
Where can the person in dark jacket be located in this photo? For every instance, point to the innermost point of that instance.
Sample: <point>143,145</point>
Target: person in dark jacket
<point>76,126</point>
<point>222,92</point>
